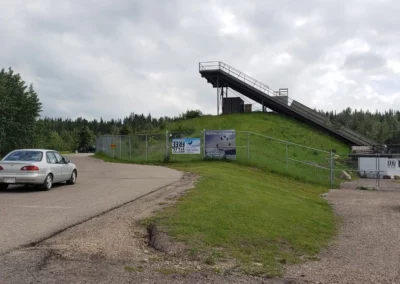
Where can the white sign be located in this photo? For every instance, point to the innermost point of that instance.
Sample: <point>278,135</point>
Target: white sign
<point>186,146</point>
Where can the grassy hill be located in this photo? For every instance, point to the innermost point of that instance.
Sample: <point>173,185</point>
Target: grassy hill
<point>254,148</point>
<point>261,219</point>
<point>269,124</point>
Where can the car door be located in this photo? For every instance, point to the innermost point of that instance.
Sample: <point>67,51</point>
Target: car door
<point>65,169</point>
<point>55,167</point>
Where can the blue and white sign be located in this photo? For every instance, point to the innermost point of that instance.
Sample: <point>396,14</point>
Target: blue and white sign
<point>186,146</point>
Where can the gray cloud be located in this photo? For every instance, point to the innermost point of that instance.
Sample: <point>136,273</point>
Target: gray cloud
<point>109,58</point>
<point>364,61</point>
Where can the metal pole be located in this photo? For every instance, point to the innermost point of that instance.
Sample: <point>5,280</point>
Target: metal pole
<point>332,173</point>
<point>379,172</point>
<point>287,157</point>
<point>146,147</point>
<point>120,147</point>
<point>166,143</point>
<point>130,148</point>
<point>113,149</point>
<point>217,96</point>
<point>248,146</point>
<point>376,170</point>
<point>204,143</point>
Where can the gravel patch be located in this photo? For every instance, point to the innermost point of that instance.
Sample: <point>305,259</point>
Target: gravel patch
<point>368,244</point>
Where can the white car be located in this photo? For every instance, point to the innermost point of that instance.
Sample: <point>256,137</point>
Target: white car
<point>36,167</point>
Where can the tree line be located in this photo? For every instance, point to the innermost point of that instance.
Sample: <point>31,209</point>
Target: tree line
<point>382,127</point>
<point>22,127</point>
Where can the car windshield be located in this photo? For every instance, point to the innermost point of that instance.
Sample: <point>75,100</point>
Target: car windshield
<point>29,156</point>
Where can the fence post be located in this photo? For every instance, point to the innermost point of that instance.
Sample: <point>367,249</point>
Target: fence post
<point>332,170</point>
<point>379,172</point>
<point>146,147</point>
<point>248,146</point>
<point>120,146</point>
<point>166,143</point>
<point>287,156</point>
<point>130,148</point>
<point>113,150</point>
<point>204,143</point>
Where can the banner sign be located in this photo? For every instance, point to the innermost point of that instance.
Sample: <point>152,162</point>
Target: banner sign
<point>186,146</point>
<point>220,144</point>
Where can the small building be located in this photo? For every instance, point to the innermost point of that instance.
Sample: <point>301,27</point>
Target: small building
<point>232,105</point>
<point>247,108</point>
<point>374,166</point>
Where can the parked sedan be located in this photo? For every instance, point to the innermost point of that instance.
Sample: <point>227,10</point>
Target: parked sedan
<point>36,167</point>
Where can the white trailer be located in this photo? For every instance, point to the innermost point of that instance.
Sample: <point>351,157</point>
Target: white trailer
<point>372,167</point>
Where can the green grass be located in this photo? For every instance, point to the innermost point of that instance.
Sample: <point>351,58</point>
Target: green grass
<point>252,149</point>
<point>244,213</point>
<point>265,209</point>
<point>269,124</point>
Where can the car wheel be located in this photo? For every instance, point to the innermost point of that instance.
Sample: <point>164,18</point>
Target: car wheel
<point>73,177</point>
<point>3,186</point>
<point>48,183</point>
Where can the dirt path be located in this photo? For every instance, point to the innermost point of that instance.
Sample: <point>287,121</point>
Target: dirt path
<point>367,249</point>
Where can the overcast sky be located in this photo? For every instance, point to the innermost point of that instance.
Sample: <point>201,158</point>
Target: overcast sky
<point>108,58</point>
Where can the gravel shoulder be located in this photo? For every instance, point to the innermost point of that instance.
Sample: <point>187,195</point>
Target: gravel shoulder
<point>367,247</point>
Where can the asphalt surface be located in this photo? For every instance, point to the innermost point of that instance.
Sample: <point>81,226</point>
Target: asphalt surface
<point>29,216</point>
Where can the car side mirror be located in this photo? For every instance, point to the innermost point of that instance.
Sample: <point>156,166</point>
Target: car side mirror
<point>66,160</point>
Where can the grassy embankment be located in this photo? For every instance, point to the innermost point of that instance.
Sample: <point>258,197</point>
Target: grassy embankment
<point>252,149</point>
<point>261,219</point>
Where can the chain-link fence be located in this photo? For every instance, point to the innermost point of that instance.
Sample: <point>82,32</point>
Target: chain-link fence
<point>138,147</point>
<point>262,151</point>
<point>367,171</point>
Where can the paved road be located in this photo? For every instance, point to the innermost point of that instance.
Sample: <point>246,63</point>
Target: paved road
<point>27,216</point>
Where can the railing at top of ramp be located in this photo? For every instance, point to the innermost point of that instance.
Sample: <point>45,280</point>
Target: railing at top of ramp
<point>218,65</point>
<point>297,107</point>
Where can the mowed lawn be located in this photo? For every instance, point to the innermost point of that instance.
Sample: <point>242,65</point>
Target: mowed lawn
<point>261,219</point>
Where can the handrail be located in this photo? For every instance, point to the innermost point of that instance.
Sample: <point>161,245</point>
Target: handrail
<point>253,83</point>
<point>219,65</point>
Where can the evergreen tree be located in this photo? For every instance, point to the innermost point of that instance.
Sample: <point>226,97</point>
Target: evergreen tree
<point>85,137</point>
<point>19,109</point>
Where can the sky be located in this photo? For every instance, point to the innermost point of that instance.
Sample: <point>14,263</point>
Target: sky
<point>109,58</point>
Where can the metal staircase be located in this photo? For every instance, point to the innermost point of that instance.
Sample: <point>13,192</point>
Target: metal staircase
<point>221,75</point>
